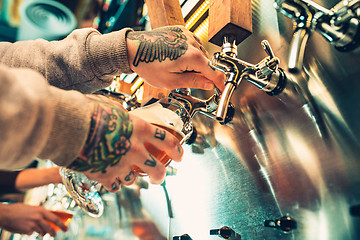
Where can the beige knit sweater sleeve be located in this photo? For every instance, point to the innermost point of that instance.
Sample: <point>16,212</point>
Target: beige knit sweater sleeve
<point>43,112</point>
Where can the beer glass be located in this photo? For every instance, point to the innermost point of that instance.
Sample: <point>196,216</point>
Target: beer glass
<point>59,203</point>
<point>84,191</point>
<point>166,113</point>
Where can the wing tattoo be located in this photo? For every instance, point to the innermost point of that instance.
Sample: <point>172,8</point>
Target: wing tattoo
<point>159,44</point>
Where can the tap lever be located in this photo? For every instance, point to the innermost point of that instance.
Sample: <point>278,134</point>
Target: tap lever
<point>284,223</point>
<point>182,237</point>
<point>226,233</point>
<point>265,44</point>
<point>268,65</point>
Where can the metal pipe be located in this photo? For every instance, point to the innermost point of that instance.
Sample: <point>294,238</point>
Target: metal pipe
<point>225,98</point>
<point>297,49</point>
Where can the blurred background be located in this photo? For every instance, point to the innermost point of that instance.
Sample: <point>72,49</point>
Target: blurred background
<point>48,16</point>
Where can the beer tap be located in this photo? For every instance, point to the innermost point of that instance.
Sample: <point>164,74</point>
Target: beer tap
<point>339,26</point>
<point>205,107</point>
<point>266,75</point>
<point>225,232</point>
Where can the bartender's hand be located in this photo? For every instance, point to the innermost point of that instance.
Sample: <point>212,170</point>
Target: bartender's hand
<point>116,142</point>
<point>26,219</point>
<point>172,57</point>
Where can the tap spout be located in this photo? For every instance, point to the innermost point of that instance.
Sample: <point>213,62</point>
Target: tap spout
<point>222,109</point>
<point>196,105</point>
<point>233,68</point>
<point>302,12</point>
<point>297,49</point>
<point>265,75</point>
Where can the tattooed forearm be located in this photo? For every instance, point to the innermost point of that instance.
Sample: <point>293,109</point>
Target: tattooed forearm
<point>159,45</point>
<point>108,139</point>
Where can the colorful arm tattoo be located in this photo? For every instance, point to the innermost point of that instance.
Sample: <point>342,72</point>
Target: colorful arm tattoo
<point>159,44</point>
<point>108,139</point>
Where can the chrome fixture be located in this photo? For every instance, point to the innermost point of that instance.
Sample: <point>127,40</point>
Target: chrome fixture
<point>266,75</point>
<point>206,107</point>
<point>226,233</point>
<point>284,223</point>
<point>294,154</point>
<point>182,237</point>
<point>339,26</point>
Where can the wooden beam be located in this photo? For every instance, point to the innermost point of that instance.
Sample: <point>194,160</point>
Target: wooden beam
<point>162,13</point>
<point>229,17</point>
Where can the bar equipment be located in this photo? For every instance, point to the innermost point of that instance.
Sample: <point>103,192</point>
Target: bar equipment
<point>182,237</point>
<point>284,223</point>
<point>265,75</point>
<point>225,232</point>
<point>339,26</point>
<point>294,154</point>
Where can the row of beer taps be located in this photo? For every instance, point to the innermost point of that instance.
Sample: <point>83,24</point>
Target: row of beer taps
<point>339,25</point>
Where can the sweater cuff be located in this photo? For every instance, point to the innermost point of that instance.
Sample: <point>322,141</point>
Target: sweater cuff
<point>70,127</point>
<point>108,54</point>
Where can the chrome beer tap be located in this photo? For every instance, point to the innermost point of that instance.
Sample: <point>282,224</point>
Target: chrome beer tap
<point>206,107</point>
<point>266,75</point>
<point>339,25</point>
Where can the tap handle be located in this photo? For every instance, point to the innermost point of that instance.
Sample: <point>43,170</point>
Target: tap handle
<point>182,237</point>
<point>284,223</point>
<point>268,65</point>
<point>266,45</point>
<point>273,61</point>
<point>226,233</point>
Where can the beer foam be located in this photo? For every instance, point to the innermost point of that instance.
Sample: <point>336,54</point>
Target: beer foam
<point>157,114</point>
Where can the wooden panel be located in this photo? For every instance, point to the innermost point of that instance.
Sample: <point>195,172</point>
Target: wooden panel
<point>229,17</point>
<point>162,13</point>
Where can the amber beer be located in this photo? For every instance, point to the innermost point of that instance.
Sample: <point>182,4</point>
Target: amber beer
<point>146,229</point>
<point>163,118</point>
<point>65,217</point>
<point>157,153</point>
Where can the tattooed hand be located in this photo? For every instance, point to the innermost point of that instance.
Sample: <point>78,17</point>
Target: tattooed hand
<point>116,143</point>
<point>172,57</point>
